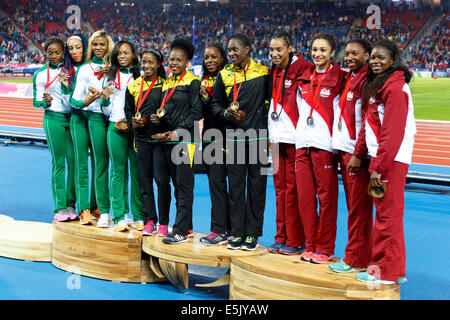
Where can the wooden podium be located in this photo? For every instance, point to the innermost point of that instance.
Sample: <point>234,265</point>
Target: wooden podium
<point>280,277</point>
<point>101,253</point>
<point>172,260</point>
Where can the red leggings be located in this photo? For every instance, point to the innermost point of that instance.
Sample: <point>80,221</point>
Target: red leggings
<point>360,212</point>
<point>289,225</point>
<point>316,175</point>
<point>388,256</point>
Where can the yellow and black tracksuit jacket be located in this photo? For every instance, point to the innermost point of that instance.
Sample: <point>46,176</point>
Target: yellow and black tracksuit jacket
<point>252,95</point>
<point>184,107</point>
<point>148,107</point>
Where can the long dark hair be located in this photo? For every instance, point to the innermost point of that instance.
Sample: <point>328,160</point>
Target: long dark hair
<point>218,46</point>
<point>376,81</point>
<point>161,72</point>
<point>115,62</point>
<point>287,39</point>
<point>69,63</point>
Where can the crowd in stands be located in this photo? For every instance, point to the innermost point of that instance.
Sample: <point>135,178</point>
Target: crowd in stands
<point>151,25</point>
<point>432,53</point>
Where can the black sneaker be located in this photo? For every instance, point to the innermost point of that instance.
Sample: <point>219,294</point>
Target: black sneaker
<point>250,243</point>
<point>214,239</point>
<point>236,243</point>
<point>175,238</point>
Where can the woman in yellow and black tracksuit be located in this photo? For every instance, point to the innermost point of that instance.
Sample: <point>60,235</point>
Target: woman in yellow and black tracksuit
<point>180,108</point>
<point>244,82</point>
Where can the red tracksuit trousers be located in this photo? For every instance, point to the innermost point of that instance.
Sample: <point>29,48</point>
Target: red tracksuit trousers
<point>289,224</point>
<point>316,175</point>
<point>360,212</point>
<point>388,254</point>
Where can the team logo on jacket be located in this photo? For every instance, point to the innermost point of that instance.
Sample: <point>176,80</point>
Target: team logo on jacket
<point>287,83</point>
<point>372,100</point>
<point>325,93</point>
<point>350,96</point>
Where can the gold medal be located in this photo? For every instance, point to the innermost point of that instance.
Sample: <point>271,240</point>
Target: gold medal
<point>234,105</point>
<point>160,113</point>
<point>138,116</point>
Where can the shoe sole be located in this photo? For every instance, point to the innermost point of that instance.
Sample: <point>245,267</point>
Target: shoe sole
<point>176,242</point>
<point>234,248</point>
<point>148,233</point>
<point>348,271</point>
<point>289,253</point>
<point>214,244</point>
<point>249,249</point>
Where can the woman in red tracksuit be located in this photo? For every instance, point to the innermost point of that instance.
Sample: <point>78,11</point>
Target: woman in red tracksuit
<point>316,165</point>
<point>283,115</point>
<point>388,138</point>
<point>346,126</point>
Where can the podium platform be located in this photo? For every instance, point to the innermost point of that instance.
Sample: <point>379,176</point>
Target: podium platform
<point>101,253</point>
<point>172,260</point>
<point>25,240</point>
<point>280,277</point>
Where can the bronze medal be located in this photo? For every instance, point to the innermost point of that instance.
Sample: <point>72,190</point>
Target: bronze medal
<point>160,113</point>
<point>122,125</point>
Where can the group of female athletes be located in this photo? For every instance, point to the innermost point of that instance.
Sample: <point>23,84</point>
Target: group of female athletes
<point>102,99</point>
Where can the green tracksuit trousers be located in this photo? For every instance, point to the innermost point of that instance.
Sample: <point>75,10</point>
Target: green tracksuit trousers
<point>121,151</point>
<point>56,127</point>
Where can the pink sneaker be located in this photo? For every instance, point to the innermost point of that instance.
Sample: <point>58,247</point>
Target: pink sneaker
<point>61,215</point>
<point>162,231</point>
<point>149,229</point>
<point>306,256</point>
<point>320,258</point>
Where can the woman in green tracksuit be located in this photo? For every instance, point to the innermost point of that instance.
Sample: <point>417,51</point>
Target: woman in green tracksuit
<point>124,70</point>
<point>91,124</point>
<point>51,93</point>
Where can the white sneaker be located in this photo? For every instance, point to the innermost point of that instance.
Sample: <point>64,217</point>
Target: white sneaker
<point>128,220</point>
<point>122,225</point>
<point>138,225</point>
<point>105,221</point>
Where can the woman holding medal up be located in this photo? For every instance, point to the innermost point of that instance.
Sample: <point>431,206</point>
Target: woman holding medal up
<point>142,99</point>
<point>316,165</point>
<point>180,107</point>
<point>239,97</point>
<point>51,93</point>
<point>124,69</point>
<point>214,60</point>
<point>283,116</point>
<point>91,124</point>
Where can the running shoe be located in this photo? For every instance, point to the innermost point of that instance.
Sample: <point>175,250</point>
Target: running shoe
<point>214,239</point>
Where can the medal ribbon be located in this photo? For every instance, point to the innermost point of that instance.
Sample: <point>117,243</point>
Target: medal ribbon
<point>236,93</point>
<point>316,93</point>
<point>342,101</point>
<point>98,74</point>
<point>276,96</point>
<point>140,100</point>
<point>48,77</point>
<point>118,86</point>
<point>166,98</point>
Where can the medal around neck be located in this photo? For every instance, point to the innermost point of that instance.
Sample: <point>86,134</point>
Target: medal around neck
<point>310,121</point>
<point>111,85</point>
<point>138,115</point>
<point>339,126</point>
<point>274,116</point>
<point>160,113</point>
<point>234,105</point>
<point>64,71</point>
<point>122,125</point>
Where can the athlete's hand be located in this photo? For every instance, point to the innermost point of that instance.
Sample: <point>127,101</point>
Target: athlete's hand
<point>47,99</point>
<point>92,95</point>
<point>354,164</point>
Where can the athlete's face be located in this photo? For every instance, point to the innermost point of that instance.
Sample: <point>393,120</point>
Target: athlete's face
<point>279,52</point>
<point>178,61</point>
<point>212,59</point>
<point>355,56</point>
<point>380,60</point>
<point>321,53</point>
<point>55,53</point>
<point>100,46</point>
<point>237,52</point>
<point>125,56</point>
<point>150,65</point>
<point>76,49</point>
